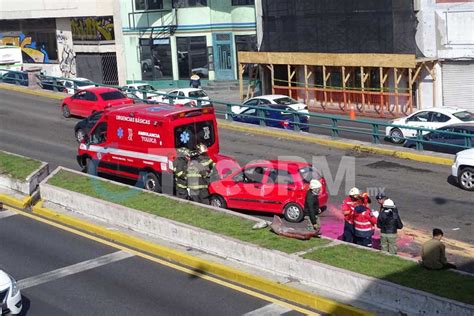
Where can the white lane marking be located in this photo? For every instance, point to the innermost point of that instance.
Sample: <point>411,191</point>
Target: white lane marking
<point>73,269</point>
<point>269,310</point>
<point>6,213</point>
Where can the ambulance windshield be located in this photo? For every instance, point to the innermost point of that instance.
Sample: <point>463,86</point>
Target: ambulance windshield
<point>190,135</point>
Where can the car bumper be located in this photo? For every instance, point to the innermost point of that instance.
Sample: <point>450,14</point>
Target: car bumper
<point>13,305</point>
<point>454,170</point>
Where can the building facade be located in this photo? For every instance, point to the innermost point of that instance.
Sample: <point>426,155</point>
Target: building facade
<point>165,41</point>
<point>67,38</point>
<point>445,33</point>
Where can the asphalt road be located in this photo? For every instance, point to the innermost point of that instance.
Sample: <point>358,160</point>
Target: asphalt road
<point>61,273</point>
<point>424,193</point>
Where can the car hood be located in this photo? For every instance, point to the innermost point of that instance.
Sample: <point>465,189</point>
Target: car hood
<point>4,280</point>
<point>466,153</point>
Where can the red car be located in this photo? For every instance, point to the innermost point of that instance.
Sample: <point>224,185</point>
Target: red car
<point>88,101</point>
<point>268,186</point>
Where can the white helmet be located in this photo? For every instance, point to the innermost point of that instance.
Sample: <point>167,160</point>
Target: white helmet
<point>315,184</point>
<point>354,192</point>
<point>388,203</point>
<point>202,148</point>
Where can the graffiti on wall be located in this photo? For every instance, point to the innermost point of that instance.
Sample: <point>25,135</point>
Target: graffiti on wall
<point>67,62</point>
<point>31,50</point>
<point>93,28</point>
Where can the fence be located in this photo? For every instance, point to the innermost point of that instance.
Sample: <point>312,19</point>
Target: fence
<point>298,120</point>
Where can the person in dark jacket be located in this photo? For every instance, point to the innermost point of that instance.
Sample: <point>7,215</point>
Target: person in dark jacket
<point>199,172</point>
<point>311,205</point>
<point>389,222</point>
<point>381,199</point>
<point>195,81</point>
<point>180,169</point>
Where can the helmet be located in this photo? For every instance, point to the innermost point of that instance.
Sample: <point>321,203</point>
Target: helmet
<point>354,192</point>
<point>380,196</point>
<point>388,203</point>
<point>201,148</point>
<point>184,152</point>
<point>315,184</point>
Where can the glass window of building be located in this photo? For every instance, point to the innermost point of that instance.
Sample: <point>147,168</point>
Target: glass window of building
<point>189,3</point>
<point>155,59</point>
<point>192,56</point>
<point>245,43</point>
<point>243,2</point>
<point>148,4</point>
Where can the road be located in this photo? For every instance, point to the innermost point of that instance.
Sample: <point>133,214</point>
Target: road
<point>61,273</point>
<point>424,193</point>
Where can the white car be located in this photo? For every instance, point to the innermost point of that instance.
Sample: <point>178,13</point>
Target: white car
<point>430,118</point>
<point>10,296</point>
<point>277,99</point>
<point>81,83</point>
<point>182,96</point>
<point>151,92</point>
<point>463,169</point>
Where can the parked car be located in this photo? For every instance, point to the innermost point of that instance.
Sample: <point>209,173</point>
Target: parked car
<point>182,96</point>
<point>83,127</point>
<point>272,99</point>
<point>280,116</point>
<point>88,101</point>
<point>431,118</point>
<point>445,143</point>
<point>81,84</point>
<point>137,99</point>
<point>463,169</point>
<point>150,96</point>
<point>17,78</point>
<point>49,84</point>
<point>268,186</point>
<point>10,295</point>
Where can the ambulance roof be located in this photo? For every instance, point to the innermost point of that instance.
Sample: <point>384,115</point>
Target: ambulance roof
<point>152,111</point>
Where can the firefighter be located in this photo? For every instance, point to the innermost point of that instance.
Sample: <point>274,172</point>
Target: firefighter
<point>364,225</point>
<point>348,207</point>
<point>180,168</point>
<point>311,205</point>
<point>199,172</point>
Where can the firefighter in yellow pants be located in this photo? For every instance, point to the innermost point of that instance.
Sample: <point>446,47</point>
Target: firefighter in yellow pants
<point>199,171</point>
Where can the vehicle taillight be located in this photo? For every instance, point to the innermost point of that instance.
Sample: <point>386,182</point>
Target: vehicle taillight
<point>284,123</point>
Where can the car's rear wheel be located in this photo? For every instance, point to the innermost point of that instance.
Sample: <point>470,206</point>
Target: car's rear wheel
<point>293,213</point>
<point>151,182</point>
<point>396,136</point>
<point>466,179</point>
<point>66,111</point>
<point>80,135</point>
<point>217,201</point>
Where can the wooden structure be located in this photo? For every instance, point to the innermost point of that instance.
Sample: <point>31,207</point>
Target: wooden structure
<point>380,84</point>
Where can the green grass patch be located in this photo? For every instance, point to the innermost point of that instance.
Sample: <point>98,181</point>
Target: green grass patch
<point>17,167</point>
<point>221,223</point>
<point>447,284</point>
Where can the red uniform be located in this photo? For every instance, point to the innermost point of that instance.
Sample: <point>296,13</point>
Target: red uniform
<point>364,223</point>
<point>348,207</point>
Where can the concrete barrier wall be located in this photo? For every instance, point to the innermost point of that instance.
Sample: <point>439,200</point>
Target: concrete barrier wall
<point>29,185</point>
<point>352,285</point>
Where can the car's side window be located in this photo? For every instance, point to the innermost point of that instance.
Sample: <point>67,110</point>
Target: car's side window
<point>251,102</point>
<point>80,95</point>
<point>239,177</point>
<point>254,175</point>
<point>264,102</point>
<point>280,177</point>
<point>181,94</point>
<point>99,135</point>
<point>250,112</point>
<point>420,117</point>
<point>89,96</point>
<point>439,117</point>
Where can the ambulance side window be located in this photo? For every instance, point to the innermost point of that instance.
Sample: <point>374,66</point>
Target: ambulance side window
<point>99,135</point>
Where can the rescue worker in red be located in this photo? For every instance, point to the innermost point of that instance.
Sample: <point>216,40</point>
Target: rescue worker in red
<point>364,225</point>
<point>311,205</point>
<point>348,207</point>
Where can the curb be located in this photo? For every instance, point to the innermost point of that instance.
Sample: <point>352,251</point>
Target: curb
<point>8,200</point>
<point>222,271</point>
<point>336,143</point>
<point>44,94</point>
<point>293,136</point>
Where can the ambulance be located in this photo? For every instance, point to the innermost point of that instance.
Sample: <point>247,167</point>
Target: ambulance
<point>139,142</point>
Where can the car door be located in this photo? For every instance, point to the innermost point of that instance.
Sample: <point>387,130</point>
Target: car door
<point>239,109</point>
<point>420,120</point>
<point>438,120</point>
<point>90,104</point>
<point>76,104</point>
<point>278,189</point>
<point>248,116</point>
<point>247,190</point>
<point>97,143</point>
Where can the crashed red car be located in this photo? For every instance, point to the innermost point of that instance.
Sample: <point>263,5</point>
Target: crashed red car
<point>268,186</point>
<point>88,101</point>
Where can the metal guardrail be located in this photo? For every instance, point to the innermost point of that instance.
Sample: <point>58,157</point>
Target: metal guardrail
<point>372,127</point>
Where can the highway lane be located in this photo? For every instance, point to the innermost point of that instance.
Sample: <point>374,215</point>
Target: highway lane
<point>61,273</point>
<point>34,127</point>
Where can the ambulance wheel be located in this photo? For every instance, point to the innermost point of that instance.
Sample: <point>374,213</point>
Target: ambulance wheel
<point>89,166</point>
<point>217,201</point>
<point>293,213</point>
<point>151,182</point>
<point>66,111</point>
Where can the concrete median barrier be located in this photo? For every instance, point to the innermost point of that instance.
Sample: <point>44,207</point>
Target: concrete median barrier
<point>352,285</point>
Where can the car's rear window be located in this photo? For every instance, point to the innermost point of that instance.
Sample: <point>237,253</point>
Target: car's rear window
<point>113,95</point>
<point>310,173</point>
<point>190,135</point>
<point>465,116</point>
<point>285,101</point>
<point>197,94</point>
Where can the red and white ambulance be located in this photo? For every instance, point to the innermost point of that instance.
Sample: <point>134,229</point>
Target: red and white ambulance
<point>139,142</point>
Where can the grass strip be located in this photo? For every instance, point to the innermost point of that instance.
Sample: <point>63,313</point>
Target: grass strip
<point>220,223</point>
<point>17,167</point>
<point>447,284</point>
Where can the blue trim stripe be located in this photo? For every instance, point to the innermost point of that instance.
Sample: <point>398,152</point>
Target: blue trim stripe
<point>198,26</point>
